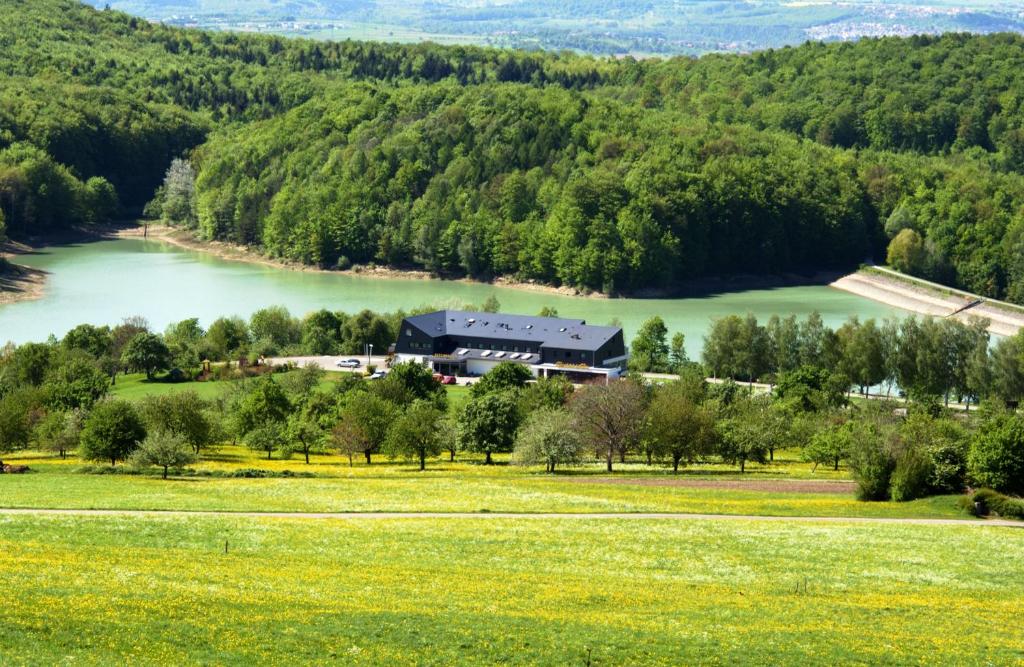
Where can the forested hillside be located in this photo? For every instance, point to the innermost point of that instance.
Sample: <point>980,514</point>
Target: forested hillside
<point>605,174</point>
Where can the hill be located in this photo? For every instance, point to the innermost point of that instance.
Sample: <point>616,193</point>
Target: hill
<point>652,27</point>
<point>606,174</point>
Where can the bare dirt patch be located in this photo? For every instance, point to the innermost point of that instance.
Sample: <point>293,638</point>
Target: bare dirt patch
<point>769,485</point>
<point>19,283</point>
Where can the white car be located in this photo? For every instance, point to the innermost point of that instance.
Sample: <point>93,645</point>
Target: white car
<point>378,375</point>
<point>347,363</point>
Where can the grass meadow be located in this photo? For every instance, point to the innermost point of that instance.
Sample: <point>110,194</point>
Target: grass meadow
<point>465,485</point>
<point>162,590</point>
<point>232,589</point>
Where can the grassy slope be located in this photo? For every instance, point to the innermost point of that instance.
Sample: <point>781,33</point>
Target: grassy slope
<point>162,591</point>
<point>463,486</point>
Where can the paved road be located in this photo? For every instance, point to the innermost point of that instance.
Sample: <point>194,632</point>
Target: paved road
<point>603,516</point>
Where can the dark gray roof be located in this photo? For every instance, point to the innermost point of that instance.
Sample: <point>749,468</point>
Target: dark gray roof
<point>548,331</point>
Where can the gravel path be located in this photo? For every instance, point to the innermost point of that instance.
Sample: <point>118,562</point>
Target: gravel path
<point>602,516</point>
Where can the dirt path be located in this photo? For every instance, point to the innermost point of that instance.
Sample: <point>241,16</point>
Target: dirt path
<point>602,516</point>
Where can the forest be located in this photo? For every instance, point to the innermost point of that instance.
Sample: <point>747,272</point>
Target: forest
<point>602,174</point>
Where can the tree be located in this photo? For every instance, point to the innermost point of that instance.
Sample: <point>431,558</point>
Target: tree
<point>183,414</point>
<point>166,450</point>
<point>863,359</point>
<point>996,457</point>
<point>349,438</point>
<point>275,324</point>
<point>743,437</point>
<point>488,423</point>
<point>267,437</point>
<point>491,305</point>
<point>415,433</point>
<point>321,333</point>
<point>304,432</point>
<point>94,340</point>
<point>179,195</point>
<point>1008,369</point>
<point>264,408</point>
<point>677,352</point>
<point>548,311</point>
<point>363,424</point>
<point>60,431</point>
<point>408,382</point>
<point>16,420</point>
<point>546,392</point>
<point>228,336</point>
<point>448,432</point>
<point>649,352</point>
<point>302,384</point>
<point>112,431</point>
<point>146,352</point>
<point>503,377</point>
<point>907,252</point>
<point>830,446</point>
<point>548,436</point>
<point>678,427</point>
<point>73,380</point>
<point>610,416</point>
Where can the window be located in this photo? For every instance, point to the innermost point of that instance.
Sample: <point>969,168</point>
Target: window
<point>408,332</point>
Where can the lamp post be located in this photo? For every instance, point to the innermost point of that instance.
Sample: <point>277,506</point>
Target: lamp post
<point>369,352</point>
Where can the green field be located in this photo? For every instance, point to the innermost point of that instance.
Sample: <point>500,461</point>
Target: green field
<point>358,589</point>
<point>479,591</point>
<point>135,386</point>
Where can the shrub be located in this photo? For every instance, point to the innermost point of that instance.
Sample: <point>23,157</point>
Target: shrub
<point>911,474</point>
<point>872,464</point>
<point>996,458</point>
<point>986,501</point>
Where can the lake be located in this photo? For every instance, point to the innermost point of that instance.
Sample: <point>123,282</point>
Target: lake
<point>106,281</point>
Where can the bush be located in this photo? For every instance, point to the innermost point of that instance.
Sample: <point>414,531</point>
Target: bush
<point>986,501</point>
<point>996,458</point>
<point>911,475</point>
<point>872,464</point>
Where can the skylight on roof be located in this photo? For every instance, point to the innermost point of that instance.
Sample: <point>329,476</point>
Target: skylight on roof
<point>514,355</point>
<point>462,353</point>
<point>563,329</point>
<point>500,355</point>
<point>486,353</point>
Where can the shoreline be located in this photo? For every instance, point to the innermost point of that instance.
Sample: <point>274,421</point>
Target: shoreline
<point>19,282</point>
<point>923,299</point>
<point>693,288</point>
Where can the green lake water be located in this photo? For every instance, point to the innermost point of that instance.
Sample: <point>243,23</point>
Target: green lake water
<point>106,281</point>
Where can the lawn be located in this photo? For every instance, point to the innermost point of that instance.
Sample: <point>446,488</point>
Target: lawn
<point>115,590</point>
<point>135,386</point>
<point>463,486</point>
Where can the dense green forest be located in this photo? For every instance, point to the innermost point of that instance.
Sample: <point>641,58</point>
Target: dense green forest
<point>605,174</point>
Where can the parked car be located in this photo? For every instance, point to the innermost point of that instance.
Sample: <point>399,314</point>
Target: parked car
<point>444,379</point>
<point>378,375</point>
<point>347,363</point>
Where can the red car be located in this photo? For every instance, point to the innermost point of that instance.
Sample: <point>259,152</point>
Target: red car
<point>444,379</point>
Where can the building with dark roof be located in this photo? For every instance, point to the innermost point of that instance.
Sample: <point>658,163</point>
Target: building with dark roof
<point>457,342</point>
